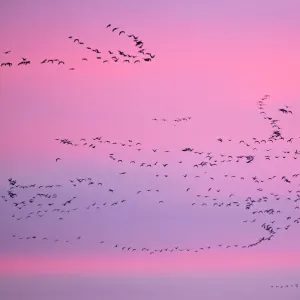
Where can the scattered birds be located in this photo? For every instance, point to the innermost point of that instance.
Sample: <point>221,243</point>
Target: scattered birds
<point>252,204</point>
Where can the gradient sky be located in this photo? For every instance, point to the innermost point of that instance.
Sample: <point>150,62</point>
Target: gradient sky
<point>214,61</point>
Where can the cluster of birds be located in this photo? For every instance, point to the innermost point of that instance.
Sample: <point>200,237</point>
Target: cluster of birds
<point>260,207</point>
<point>177,120</point>
<point>148,250</point>
<point>209,193</point>
<point>50,207</point>
<point>209,159</point>
<point>205,162</point>
<point>43,203</point>
<point>208,197</point>
<point>46,202</point>
<point>285,286</point>
<point>141,55</point>
<point>119,55</point>
<point>276,133</point>
<point>24,61</point>
<point>164,165</point>
<point>138,42</point>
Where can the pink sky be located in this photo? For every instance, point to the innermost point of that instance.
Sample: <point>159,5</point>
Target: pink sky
<point>141,265</point>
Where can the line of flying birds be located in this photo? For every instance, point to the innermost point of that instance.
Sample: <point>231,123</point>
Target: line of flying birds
<point>148,250</point>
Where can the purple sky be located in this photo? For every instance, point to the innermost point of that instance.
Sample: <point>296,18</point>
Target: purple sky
<point>214,61</point>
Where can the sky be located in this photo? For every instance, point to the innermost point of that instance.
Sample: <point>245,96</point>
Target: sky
<point>213,61</point>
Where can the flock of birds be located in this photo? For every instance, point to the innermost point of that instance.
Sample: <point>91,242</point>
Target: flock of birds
<point>285,286</point>
<point>141,54</point>
<point>260,206</point>
<point>177,120</point>
<point>209,159</point>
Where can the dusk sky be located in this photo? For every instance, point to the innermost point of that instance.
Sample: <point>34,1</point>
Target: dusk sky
<point>214,60</point>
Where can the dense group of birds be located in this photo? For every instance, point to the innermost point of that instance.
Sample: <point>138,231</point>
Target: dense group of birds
<point>285,286</point>
<point>45,199</point>
<point>108,56</point>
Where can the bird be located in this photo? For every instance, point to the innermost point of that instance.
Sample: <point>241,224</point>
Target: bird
<point>6,64</point>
